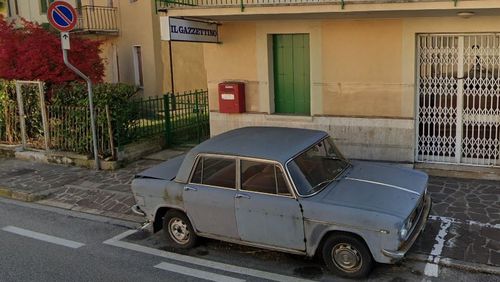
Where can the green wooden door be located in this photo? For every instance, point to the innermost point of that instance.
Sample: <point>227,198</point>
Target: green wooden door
<point>291,74</point>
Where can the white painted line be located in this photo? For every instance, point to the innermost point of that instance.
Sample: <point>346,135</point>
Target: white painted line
<point>196,273</point>
<point>115,241</point>
<point>468,222</point>
<point>43,237</point>
<point>431,268</point>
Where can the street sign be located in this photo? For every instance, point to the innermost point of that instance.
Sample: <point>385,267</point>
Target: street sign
<point>177,29</point>
<point>62,16</point>
<point>65,40</point>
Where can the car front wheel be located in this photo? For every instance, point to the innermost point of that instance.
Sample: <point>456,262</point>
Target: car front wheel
<point>178,230</point>
<point>347,256</point>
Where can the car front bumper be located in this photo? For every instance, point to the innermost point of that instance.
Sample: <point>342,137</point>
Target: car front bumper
<point>422,221</point>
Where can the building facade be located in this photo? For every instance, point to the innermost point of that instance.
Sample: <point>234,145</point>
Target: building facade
<point>399,81</point>
<point>131,49</point>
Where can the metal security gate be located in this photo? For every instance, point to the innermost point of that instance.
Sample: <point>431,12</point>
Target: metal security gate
<point>458,114</point>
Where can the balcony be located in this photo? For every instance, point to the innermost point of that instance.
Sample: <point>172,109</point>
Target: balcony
<point>230,10</point>
<point>97,20</point>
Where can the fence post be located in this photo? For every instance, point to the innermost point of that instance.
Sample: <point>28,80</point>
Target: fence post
<point>21,113</point>
<point>197,110</point>
<point>110,132</point>
<point>43,110</point>
<point>168,129</point>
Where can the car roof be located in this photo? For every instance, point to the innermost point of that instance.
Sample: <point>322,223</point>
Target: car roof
<point>271,143</point>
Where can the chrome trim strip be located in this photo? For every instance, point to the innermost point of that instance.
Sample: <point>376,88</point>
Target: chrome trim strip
<point>341,225</point>
<point>383,184</point>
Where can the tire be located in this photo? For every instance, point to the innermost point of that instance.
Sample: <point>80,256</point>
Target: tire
<point>178,230</point>
<point>347,256</point>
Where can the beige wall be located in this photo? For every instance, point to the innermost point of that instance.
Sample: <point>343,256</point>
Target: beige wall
<point>362,77</point>
<point>234,59</point>
<point>139,26</point>
<point>188,66</point>
<point>362,68</point>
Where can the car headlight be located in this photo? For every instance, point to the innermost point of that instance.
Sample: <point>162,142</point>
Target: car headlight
<point>403,232</point>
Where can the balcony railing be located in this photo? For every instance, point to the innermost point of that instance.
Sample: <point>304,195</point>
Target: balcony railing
<point>162,5</point>
<point>95,19</point>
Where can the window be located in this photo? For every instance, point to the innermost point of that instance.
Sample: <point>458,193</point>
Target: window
<point>215,171</point>
<point>44,5</point>
<point>263,177</point>
<point>139,80</point>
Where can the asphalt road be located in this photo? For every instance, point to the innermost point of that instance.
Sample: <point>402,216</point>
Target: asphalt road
<point>39,243</point>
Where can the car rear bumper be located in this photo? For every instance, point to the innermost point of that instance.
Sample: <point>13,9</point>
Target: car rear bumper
<point>400,253</point>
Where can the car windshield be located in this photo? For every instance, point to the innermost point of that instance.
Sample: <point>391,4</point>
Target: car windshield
<point>317,167</point>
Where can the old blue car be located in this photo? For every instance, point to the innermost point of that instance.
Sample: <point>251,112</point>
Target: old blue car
<point>289,190</point>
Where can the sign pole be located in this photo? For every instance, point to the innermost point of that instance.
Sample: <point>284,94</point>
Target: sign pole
<point>91,104</point>
<point>63,17</point>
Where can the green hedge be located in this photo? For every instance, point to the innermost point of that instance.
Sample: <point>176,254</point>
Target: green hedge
<point>118,97</point>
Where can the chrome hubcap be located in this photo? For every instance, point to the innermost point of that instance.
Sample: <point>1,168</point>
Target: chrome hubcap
<point>178,230</point>
<point>346,257</point>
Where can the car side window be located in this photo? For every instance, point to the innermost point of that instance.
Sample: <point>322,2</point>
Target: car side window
<point>215,172</point>
<point>263,177</point>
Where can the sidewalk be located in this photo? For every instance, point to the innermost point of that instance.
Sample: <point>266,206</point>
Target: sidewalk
<point>465,213</point>
<point>98,192</point>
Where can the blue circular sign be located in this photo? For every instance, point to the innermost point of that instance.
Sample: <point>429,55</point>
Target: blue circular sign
<point>62,16</point>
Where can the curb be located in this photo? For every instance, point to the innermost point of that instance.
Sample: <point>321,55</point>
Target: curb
<point>458,264</point>
<point>22,196</point>
<point>110,214</point>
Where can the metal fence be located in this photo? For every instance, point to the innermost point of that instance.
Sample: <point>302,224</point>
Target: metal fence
<point>9,123</point>
<point>70,130</point>
<point>181,118</point>
<point>97,19</point>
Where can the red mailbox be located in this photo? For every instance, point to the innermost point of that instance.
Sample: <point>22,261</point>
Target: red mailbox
<point>232,97</point>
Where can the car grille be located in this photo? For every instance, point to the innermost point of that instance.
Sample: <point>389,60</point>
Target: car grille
<point>417,211</point>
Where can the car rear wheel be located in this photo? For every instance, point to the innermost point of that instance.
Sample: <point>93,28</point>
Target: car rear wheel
<point>347,256</point>
<point>178,230</point>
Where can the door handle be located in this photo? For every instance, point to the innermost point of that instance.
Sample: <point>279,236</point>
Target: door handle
<point>244,196</point>
<point>187,188</point>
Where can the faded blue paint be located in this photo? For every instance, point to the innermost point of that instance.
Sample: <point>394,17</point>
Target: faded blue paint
<point>369,200</point>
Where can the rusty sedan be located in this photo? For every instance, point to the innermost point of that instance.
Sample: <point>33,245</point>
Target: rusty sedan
<point>288,190</point>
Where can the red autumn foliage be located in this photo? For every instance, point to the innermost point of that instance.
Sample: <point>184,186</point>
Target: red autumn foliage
<point>30,52</point>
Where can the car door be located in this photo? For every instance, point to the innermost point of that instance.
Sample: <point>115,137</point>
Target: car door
<point>209,196</point>
<point>266,211</point>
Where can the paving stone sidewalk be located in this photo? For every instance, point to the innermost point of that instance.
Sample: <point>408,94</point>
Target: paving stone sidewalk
<point>471,206</point>
<point>468,213</point>
<point>100,192</point>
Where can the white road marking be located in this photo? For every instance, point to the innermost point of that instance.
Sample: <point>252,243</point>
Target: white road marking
<point>43,237</point>
<point>115,241</point>
<point>468,222</point>
<point>196,273</point>
<point>431,268</point>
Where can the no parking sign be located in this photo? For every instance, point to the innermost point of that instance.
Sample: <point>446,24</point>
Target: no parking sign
<point>62,16</point>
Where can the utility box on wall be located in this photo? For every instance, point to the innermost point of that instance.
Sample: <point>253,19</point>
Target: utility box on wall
<point>232,97</point>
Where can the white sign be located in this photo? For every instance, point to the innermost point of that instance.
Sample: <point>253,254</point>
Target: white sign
<point>227,96</point>
<point>65,40</point>
<point>175,29</point>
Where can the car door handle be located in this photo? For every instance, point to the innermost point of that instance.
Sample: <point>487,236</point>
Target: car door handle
<point>244,196</point>
<point>187,188</point>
